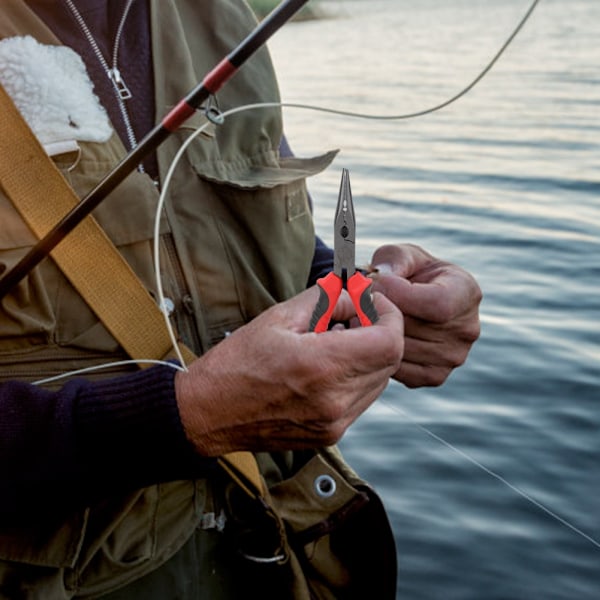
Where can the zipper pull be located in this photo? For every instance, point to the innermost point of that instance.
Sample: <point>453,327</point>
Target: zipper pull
<point>120,85</point>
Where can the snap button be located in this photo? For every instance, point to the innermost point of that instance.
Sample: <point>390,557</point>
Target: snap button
<point>325,486</point>
<point>168,306</point>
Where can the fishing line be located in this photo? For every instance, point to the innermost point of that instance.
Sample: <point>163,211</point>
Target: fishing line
<point>118,363</point>
<point>219,118</point>
<point>487,470</point>
<point>452,99</point>
<point>215,116</point>
<point>162,303</point>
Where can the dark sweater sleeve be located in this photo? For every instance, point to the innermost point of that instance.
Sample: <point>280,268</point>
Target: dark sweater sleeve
<point>91,439</point>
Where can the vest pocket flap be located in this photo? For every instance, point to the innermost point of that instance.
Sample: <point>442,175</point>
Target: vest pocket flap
<point>43,545</point>
<point>310,501</point>
<point>251,175</point>
<point>338,531</point>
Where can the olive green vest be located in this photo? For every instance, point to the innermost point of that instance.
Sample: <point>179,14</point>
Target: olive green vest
<point>237,237</point>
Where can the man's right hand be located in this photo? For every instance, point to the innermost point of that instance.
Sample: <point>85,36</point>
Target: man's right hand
<point>272,386</point>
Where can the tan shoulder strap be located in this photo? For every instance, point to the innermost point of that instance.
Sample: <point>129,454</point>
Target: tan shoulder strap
<point>42,196</point>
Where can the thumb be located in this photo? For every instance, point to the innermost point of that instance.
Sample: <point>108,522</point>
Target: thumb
<point>295,314</point>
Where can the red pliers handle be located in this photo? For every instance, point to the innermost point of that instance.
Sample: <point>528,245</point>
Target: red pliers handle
<point>330,287</point>
<point>344,272</point>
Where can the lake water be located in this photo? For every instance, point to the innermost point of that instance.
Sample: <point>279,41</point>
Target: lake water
<point>505,182</point>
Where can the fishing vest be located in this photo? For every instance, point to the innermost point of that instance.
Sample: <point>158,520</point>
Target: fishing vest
<point>236,237</point>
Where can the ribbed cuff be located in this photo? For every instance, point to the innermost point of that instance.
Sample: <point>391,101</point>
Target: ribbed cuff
<point>129,430</point>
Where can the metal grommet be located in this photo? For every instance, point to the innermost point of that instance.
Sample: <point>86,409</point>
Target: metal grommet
<point>325,486</point>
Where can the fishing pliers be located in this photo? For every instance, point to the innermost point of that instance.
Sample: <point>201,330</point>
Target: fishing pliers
<point>344,274</point>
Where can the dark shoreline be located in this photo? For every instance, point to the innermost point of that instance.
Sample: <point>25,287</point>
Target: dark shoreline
<point>264,7</point>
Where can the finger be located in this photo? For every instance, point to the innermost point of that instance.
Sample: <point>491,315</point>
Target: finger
<point>402,259</point>
<point>448,295</point>
<point>442,343</point>
<point>296,313</point>
<point>299,310</point>
<point>438,352</point>
<point>426,301</point>
<point>417,375</point>
<point>368,349</point>
<point>344,309</point>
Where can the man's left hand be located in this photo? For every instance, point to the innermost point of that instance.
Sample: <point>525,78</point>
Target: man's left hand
<point>440,303</point>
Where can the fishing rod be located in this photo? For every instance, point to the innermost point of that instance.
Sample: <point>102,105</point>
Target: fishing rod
<point>186,107</point>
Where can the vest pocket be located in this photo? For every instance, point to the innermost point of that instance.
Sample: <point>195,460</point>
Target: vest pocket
<point>102,548</point>
<point>133,536</point>
<point>27,318</point>
<point>44,309</point>
<point>44,544</point>
<point>261,230</point>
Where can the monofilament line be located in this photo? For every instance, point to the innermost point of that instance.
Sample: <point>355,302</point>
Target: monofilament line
<point>108,365</point>
<point>445,103</point>
<point>493,474</point>
<point>182,150</point>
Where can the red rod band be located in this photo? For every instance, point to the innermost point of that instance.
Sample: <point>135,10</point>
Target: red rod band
<point>176,117</point>
<point>219,75</point>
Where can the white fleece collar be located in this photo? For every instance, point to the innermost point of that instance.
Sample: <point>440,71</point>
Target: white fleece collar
<point>52,90</point>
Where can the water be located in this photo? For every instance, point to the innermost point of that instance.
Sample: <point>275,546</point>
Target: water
<point>505,183</point>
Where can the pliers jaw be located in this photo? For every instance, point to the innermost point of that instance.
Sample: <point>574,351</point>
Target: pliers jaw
<point>344,241</point>
<point>344,274</point>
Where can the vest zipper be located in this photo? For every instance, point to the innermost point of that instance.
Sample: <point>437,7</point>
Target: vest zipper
<point>122,92</point>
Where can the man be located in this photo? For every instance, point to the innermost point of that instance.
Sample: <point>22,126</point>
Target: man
<point>110,483</point>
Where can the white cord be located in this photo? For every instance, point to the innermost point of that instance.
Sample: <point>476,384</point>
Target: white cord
<point>160,291</point>
<point>118,363</point>
<point>167,181</point>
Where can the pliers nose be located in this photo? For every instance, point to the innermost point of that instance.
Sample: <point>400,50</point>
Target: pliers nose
<point>344,274</point>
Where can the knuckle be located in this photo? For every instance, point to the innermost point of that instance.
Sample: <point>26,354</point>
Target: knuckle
<point>424,375</point>
<point>435,376</point>
<point>331,412</point>
<point>332,417</point>
<point>458,354</point>
<point>458,359</point>
<point>472,332</point>
<point>333,435</point>
<point>329,427</point>
<point>477,291</point>
<point>394,353</point>
<point>389,351</point>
